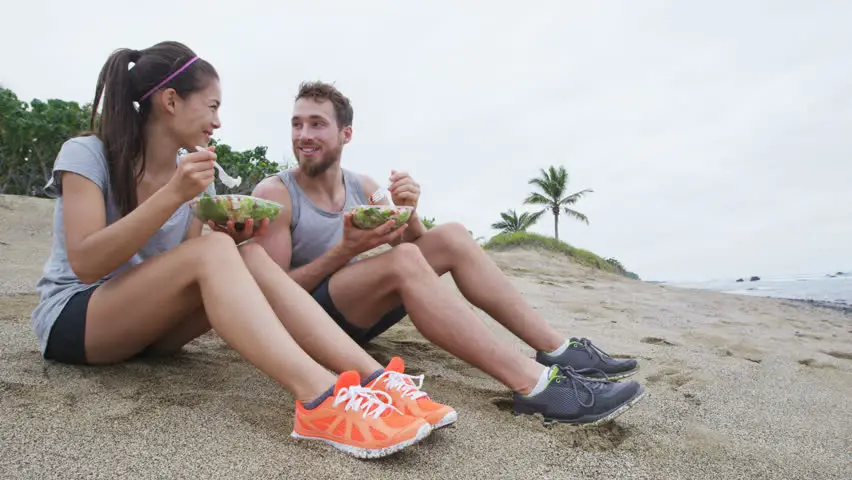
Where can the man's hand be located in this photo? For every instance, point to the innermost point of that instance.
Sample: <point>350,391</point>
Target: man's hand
<point>404,190</point>
<point>240,235</point>
<point>356,241</point>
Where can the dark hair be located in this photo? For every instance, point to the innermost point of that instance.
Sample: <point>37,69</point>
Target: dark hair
<point>320,92</point>
<point>123,117</point>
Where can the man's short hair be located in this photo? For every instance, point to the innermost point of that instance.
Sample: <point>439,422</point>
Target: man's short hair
<point>320,92</point>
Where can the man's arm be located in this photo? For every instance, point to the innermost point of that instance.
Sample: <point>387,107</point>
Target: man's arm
<point>279,244</point>
<point>415,226</point>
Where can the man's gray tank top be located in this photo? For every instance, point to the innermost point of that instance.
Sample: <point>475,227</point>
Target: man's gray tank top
<point>85,156</point>
<point>314,230</point>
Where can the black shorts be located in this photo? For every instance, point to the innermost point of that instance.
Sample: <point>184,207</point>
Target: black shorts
<point>360,335</point>
<point>67,340</point>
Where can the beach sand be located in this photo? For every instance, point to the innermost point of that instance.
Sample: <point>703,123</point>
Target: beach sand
<point>739,387</point>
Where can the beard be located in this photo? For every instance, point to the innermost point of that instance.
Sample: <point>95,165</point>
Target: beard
<point>315,167</point>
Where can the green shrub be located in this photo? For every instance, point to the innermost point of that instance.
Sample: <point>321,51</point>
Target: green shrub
<point>505,241</point>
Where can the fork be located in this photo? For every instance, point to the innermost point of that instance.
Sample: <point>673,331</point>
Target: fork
<point>226,179</point>
<point>378,195</point>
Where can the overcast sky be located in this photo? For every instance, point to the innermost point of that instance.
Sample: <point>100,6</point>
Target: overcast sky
<point>711,132</point>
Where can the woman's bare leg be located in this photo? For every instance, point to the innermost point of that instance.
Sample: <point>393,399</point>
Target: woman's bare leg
<point>139,307</point>
<point>309,325</point>
<point>312,328</point>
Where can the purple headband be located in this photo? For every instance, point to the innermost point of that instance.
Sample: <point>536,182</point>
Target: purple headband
<point>159,85</point>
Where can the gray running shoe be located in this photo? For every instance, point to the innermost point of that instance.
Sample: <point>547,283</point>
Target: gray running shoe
<point>590,361</point>
<point>572,398</point>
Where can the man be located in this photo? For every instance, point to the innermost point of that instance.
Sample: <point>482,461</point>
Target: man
<point>314,240</point>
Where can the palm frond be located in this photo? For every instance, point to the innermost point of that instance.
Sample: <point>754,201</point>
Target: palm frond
<point>572,199</point>
<point>536,198</point>
<point>528,219</point>
<point>500,226</point>
<point>573,213</point>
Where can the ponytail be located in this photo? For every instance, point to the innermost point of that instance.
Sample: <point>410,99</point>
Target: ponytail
<point>120,128</point>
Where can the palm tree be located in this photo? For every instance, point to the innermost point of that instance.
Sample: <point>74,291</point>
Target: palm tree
<point>552,185</point>
<point>513,223</point>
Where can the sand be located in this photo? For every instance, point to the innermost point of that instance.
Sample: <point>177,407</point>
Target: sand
<point>739,387</point>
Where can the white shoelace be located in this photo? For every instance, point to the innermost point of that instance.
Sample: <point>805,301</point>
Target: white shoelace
<point>364,399</point>
<point>403,383</point>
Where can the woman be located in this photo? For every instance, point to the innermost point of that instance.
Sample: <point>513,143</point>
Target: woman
<point>130,272</point>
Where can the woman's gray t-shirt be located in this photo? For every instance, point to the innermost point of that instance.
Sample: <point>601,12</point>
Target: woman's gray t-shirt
<point>85,156</point>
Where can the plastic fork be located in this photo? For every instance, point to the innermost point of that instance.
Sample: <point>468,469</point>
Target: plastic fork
<point>226,179</point>
<point>378,195</point>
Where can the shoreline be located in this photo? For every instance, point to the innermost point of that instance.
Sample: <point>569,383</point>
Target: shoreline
<point>841,307</point>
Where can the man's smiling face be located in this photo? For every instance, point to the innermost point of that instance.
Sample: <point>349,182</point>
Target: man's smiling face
<point>317,139</point>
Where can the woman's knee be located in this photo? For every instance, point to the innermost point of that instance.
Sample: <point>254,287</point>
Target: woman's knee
<point>215,248</point>
<point>215,243</point>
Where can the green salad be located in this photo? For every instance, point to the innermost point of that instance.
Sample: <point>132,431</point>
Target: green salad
<point>367,217</point>
<point>238,208</point>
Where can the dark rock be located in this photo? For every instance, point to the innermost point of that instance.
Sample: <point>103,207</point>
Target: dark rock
<point>754,279</point>
<point>739,280</point>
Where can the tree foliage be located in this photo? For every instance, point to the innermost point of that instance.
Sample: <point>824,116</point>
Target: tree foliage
<point>552,185</point>
<point>32,134</point>
<point>512,222</point>
<point>252,165</point>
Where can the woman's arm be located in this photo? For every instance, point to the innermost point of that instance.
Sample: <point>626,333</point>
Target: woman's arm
<point>95,249</point>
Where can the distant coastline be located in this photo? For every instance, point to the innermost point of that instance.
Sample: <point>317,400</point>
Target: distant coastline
<point>836,306</point>
<point>822,290</point>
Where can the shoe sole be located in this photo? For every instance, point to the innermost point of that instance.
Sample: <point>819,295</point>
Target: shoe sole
<point>367,453</point>
<point>606,418</point>
<point>449,419</point>
<point>617,376</point>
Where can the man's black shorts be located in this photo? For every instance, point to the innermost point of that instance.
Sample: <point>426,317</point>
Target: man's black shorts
<point>360,335</point>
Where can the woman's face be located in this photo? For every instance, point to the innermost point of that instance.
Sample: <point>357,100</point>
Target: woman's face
<point>193,119</point>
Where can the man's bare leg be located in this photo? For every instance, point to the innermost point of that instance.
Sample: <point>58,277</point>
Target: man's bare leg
<point>366,290</point>
<point>450,248</point>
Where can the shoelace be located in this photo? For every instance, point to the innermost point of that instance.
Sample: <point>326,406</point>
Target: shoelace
<point>590,384</point>
<point>363,398</point>
<point>592,349</point>
<point>404,383</point>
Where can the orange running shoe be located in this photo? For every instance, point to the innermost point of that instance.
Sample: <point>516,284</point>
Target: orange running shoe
<point>356,420</point>
<point>408,397</point>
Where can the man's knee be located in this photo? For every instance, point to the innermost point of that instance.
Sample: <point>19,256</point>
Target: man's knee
<point>454,236</point>
<point>408,261</point>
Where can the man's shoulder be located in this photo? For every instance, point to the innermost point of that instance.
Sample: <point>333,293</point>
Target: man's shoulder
<point>271,188</point>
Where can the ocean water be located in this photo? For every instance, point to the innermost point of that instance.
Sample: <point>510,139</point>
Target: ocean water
<point>818,287</point>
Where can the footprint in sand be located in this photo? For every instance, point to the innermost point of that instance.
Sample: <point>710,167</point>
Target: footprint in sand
<point>807,335</point>
<point>657,341</point>
<point>841,355</point>
<point>810,362</point>
<point>674,376</point>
